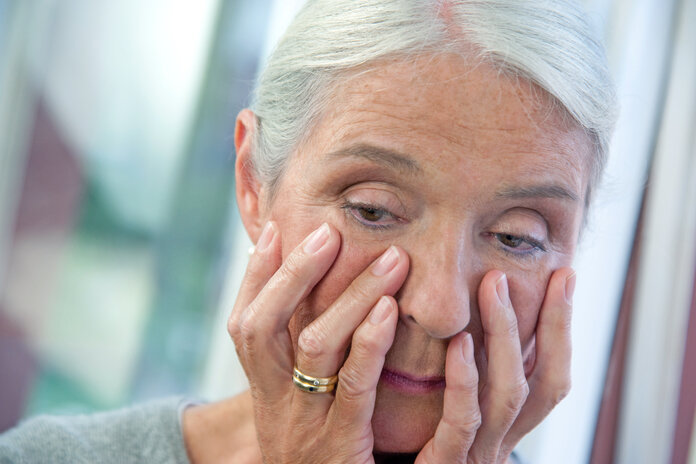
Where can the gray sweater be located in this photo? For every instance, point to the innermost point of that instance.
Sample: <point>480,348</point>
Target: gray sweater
<point>149,433</point>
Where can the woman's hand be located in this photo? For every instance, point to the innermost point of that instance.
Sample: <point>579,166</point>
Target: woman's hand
<point>479,424</point>
<point>485,427</point>
<point>296,426</point>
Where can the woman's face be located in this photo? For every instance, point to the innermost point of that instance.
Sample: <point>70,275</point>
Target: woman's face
<point>467,171</point>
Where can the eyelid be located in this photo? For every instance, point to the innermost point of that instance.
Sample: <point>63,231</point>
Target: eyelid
<point>519,221</point>
<point>528,239</point>
<point>376,196</point>
<point>537,246</point>
<point>351,209</point>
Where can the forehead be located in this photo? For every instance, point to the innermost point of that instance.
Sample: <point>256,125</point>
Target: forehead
<point>454,119</point>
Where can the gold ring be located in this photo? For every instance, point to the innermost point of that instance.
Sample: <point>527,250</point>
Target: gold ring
<point>310,384</point>
<point>309,388</point>
<point>316,381</point>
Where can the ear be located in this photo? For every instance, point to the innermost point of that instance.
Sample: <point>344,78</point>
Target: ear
<point>248,186</point>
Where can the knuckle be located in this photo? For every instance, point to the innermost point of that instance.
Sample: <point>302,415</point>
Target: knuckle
<point>365,346</point>
<point>291,270</point>
<point>351,382</point>
<point>513,397</point>
<point>559,391</point>
<point>469,385</point>
<point>517,395</point>
<point>504,325</point>
<point>254,271</point>
<point>309,343</point>
<point>233,325</point>
<point>564,325</point>
<point>247,328</point>
<point>510,328</point>
<point>358,291</point>
<point>465,426</point>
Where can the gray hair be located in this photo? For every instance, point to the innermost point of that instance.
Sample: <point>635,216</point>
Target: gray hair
<point>547,42</point>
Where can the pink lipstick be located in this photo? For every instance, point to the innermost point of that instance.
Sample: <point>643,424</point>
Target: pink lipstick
<point>409,384</point>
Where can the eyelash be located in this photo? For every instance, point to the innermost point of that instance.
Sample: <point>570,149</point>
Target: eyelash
<point>536,245</point>
<point>354,210</point>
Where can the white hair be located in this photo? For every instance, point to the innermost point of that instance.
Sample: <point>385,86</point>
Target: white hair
<point>547,42</point>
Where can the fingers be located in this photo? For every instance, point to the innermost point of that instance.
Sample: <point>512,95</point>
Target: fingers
<point>266,303</point>
<point>322,345</point>
<point>292,282</point>
<point>506,387</point>
<point>550,379</point>
<point>262,265</point>
<point>461,416</point>
<point>358,378</point>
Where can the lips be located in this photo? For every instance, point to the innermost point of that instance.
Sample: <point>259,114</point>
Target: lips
<point>410,384</point>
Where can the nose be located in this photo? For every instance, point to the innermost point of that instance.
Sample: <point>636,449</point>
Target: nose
<point>436,293</point>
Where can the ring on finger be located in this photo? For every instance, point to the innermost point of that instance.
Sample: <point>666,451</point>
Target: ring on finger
<point>316,381</point>
<point>309,388</point>
<point>312,384</point>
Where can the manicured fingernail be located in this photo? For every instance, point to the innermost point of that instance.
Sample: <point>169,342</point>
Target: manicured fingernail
<point>386,262</point>
<point>266,237</point>
<point>468,349</point>
<point>380,311</point>
<point>570,288</point>
<point>317,239</point>
<point>501,286</point>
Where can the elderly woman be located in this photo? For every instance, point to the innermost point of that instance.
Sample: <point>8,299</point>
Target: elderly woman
<point>415,176</point>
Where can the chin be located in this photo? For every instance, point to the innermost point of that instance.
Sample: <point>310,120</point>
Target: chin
<point>404,423</point>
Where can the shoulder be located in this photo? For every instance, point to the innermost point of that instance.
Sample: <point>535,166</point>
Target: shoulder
<point>146,433</point>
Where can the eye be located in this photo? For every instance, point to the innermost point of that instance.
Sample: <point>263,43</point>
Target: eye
<point>369,213</point>
<point>519,244</point>
<point>371,216</point>
<point>510,240</point>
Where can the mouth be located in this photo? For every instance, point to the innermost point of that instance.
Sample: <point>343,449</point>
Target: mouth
<point>410,384</point>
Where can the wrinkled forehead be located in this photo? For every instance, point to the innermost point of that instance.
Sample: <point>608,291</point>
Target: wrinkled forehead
<point>461,88</point>
<point>447,107</point>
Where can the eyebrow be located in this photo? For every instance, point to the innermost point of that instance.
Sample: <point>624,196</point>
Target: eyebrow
<point>393,159</point>
<point>538,191</point>
<point>389,158</point>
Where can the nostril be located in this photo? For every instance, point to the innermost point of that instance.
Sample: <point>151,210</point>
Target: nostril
<point>437,326</point>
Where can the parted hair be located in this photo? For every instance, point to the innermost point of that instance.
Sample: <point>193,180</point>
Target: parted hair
<point>549,43</point>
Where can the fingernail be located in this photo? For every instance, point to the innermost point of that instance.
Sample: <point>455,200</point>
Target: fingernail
<point>386,262</point>
<point>570,288</point>
<point>501,286</point>
<point>468,349</point>
<point>380,311</point>
<point>266,237</point>
<point>317,239</point>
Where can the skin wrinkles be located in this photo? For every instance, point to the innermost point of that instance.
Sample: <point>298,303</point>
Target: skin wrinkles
<point>387,160</point>
<point>391,159</point>
<point>385,157</point>
<point>503,170</point>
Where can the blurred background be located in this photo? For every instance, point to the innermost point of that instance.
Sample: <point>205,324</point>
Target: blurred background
<point>121,249</point>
